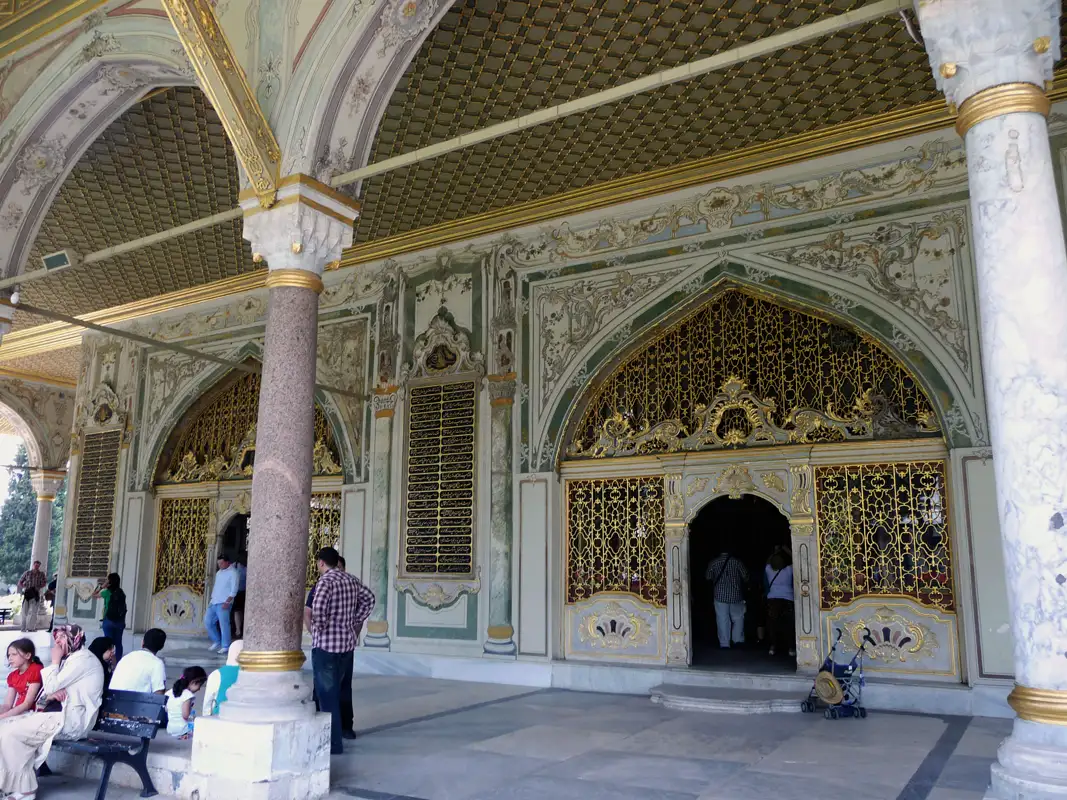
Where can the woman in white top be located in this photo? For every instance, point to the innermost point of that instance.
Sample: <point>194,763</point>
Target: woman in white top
<point>70,699</point>
<point>180,699</point>
<point>778,578</point>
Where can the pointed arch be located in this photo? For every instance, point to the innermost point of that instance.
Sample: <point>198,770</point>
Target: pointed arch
<point>738,365</point>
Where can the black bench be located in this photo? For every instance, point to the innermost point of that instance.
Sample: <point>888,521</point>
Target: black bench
<point>124,729</point>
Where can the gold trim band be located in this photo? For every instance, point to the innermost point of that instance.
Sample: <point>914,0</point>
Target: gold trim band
<point>502,401</point>
<point>500,632</point>
<point>1039,705</point>
<point>378,627</point>
<point>271,660</point>
<point>384,413</point>
<point>996,101</point>
<point>48,498</point>
<point>297,278</point>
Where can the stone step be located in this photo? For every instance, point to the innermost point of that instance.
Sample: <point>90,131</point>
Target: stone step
<point>721,700</point>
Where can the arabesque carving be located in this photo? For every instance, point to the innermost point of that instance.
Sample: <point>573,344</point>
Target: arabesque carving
<point>443,349</point>
<point>438,594</point>
<point>896,638</point>
<point>614,628</point>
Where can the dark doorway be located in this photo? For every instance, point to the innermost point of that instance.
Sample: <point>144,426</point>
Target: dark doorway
<point>749,529</point>
<point>234,543</point>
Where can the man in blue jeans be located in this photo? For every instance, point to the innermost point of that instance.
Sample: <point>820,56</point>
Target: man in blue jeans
<point>217,616</point>
<point>340,606</point>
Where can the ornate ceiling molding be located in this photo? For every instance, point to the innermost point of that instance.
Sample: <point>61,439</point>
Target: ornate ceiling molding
<point>224,82</point>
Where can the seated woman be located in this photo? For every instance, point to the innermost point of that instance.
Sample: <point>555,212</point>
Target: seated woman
<point>104,649</point>
<point>67,707</point>
<point>180,699</point>
<point>220,681</point>
<point>24,680</point>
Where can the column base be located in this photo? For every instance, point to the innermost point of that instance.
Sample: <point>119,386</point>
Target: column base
<point>377,635</point>
<point>499,641</point>
<point>268,697</point>
<point>1031,764</point>
<point>287,760</point>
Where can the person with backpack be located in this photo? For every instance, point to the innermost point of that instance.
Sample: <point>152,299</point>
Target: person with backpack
<point>778,580</point>
<point>113,622</point>
<point>728,577</point>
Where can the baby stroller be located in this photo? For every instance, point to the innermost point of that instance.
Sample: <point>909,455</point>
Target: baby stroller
<point>840,686</point>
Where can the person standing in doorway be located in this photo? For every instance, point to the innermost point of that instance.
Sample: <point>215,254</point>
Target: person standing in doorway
<point>32,584</point>
<point>728,577</point>
<point>113,622</point>
<point>217,617</point>
<point>239,598</point>
<point>778,578</point>
<point>338,610</point>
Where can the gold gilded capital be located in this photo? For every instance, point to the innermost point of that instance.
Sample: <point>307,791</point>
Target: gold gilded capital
<point>299,278</point>
<point>996,101</point>
<point>271,660</point>
<point>377,627</point>
<point>1039,705</point>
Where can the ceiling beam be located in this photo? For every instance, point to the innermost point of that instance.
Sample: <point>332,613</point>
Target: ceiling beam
<point>224,82</point>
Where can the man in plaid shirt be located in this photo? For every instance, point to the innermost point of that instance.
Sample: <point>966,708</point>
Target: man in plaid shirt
<point>340,607</point>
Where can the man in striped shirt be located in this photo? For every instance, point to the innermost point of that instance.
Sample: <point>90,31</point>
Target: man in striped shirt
<point>338,610</point>
<point>728,577</point>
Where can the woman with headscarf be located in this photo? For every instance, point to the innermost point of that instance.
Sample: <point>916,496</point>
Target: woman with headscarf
<point>220,681</point>
<point>67,707</point>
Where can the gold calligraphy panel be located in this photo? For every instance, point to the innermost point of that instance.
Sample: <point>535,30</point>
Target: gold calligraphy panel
<point>883,530</point>
<point>97,482</point>
<point>615,538</point>
<point>745,370</point>
<point>324,528</point>
<point>181,552</point>
<point>439,516</point>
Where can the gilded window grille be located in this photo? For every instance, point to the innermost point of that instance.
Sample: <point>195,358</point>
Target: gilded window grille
<point>615,538</point>
<point>95,515</point>
<point>439,501</point>
<point>324,528</point>
<point>883,530</point>
<point>793,359</point>
<point>181,554</point>
<point>219,442</point>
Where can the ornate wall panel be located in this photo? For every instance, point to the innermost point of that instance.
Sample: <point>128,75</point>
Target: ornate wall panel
<point>218,440</point>
<point>181,550</point>
<point>884,530</point>
<point>616,627</point>
<point>94,518</point>
<point>743,370</point>
<point>324,528</point>
<point>439,503</point>
<point>615,538</point>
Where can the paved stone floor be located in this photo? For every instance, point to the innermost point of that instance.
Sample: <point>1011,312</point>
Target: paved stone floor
<point>442,740</point>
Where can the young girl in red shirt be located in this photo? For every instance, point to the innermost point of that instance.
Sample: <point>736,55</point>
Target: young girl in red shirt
<point>24,680</point>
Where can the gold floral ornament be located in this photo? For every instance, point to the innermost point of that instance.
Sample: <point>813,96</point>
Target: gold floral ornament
<point>743,371</point>
<point>614,628</point>
<point>896,638</point>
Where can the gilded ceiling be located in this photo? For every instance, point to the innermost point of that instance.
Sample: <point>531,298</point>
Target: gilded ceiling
<point>165,162</point>
<point>490,61</point>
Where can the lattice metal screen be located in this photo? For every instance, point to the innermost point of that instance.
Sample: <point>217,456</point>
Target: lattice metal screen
<point>791,359</point>
<point>181,555</point>
<point>439,513</point>
<point>615,540</point>
<point>324,528</point>
<point>883,530</point>
<point>95,516</point>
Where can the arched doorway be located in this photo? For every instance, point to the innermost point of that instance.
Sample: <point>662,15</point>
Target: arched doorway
<point>748,529</point>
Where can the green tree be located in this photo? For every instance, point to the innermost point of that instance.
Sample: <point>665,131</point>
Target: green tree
<point>58,508</point>
<point>17,517</point>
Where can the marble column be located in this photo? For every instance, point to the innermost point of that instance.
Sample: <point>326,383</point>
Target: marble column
<point>676,535</point>
<point>268,740</point>
<point>384,402</point>
<point>993,59</point>
<point>46,483</point>
<point>500,635</point>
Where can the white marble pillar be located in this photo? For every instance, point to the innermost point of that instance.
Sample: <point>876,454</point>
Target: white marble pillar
<point>676,534</point>
<point>993,59</point>
<point>46,483</point>
<point>384,403</point>
<point>267,740</point>
<point>500,635</point>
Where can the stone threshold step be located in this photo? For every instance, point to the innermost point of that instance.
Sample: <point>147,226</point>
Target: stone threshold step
<point>720,700</point>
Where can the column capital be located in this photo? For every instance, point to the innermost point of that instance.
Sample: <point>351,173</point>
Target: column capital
<point>383,401</point>
<point>975,45</point>
<point>46,482</point>
<point>501,389</point>
<point>308,227</point>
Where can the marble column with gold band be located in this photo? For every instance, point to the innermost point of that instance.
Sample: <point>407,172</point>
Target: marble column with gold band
<point>500,635</point>
<point>993,60</point>
<point>676,533</point>
<point>384,403</point>
<point>46,483</point>
<point>305,229</point>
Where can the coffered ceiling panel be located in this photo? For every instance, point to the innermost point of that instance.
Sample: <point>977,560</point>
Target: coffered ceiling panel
<point>490,61</point>
<point>64,365</point>
<point>165,162</point>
